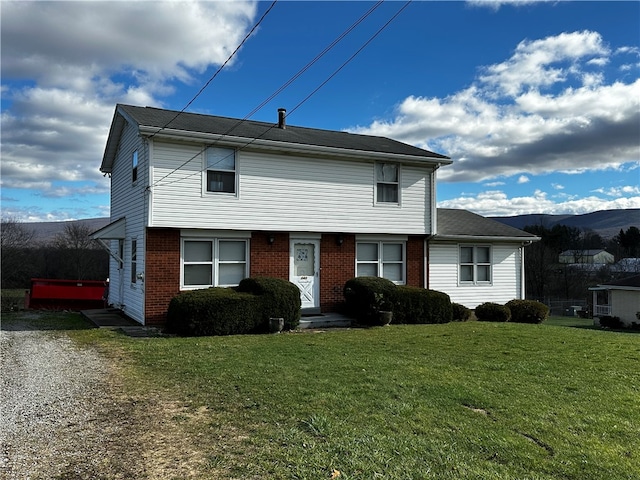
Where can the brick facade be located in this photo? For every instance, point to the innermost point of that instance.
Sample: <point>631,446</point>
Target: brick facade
<point>337,265</point>
<point>162,276</point>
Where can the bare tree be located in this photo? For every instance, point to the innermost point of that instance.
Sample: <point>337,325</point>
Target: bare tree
<point>15,241</point>
<point>78,250</point>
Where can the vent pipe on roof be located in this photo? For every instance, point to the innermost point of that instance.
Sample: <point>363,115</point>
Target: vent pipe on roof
<point>282,116</point>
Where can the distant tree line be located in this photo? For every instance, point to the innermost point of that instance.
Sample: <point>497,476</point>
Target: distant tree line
<point>547,278</point>
<point>71,255</point>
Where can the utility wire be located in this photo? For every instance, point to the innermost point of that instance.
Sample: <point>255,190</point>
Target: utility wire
<point>344,64</point>
<point>219,69</point>
<point>271,97</point>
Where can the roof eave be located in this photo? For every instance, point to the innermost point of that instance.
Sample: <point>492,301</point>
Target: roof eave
<point>274,145</point>
<point>485,238</point>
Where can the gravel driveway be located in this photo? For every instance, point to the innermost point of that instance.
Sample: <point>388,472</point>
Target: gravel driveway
<point>60,415</point>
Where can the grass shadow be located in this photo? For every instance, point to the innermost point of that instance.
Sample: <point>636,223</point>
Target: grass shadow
<point>32,320</point>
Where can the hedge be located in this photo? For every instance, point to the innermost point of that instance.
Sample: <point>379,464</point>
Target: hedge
<point>527,311</point>
<point>492,312</point>
<point>279,299</point>
<point>213,311</point>
<point>460,312</point>
<point>365,296</point>
<point>418,305</point>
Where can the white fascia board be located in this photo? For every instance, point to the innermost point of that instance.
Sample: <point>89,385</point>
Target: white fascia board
<point>299,148</point>
<point>480,238</point>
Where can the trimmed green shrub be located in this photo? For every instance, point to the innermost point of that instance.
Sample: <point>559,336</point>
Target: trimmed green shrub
<point>279,299</point>
<point>527,311</point>
<point>418,305</point>
<point>213,311</point>
<point>460,313</point>
<point>492,312</point>
<point>608,321</point>
<point>365,296</point>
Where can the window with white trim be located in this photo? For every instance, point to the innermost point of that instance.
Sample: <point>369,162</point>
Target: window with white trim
<point>381,259</point>
<point>387,183</point>
<point>213,262</point>
<point>475,264</point>
<point>221,170</point>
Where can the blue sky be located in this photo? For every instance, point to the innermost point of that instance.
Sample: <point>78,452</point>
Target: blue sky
<point>537,103</point>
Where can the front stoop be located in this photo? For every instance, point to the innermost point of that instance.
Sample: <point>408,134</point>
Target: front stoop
<point>327,320</point>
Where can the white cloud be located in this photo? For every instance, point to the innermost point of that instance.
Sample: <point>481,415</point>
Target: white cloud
<point>619,191</point>
<point>523,179</point>
<point>498,203</point>
<point>557,186</point>
<point>545,109</point>
<point>66,64</point>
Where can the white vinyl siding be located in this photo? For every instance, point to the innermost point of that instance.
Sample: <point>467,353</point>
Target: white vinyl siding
<point>213,262</point>
<point>506,274</point>
<point>286,193</point>
<point>128,200</point>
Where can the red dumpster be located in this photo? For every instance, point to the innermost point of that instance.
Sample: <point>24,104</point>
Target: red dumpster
<point>53,294</point>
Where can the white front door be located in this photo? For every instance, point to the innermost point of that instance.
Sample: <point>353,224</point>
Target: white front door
<point>305,271</point>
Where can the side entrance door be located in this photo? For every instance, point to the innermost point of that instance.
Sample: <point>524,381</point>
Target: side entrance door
<point>305,270</point>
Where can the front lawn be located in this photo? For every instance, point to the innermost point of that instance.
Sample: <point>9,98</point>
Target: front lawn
<point>457,401</point>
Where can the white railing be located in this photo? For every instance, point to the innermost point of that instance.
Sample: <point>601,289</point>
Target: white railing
<point>601,310</point>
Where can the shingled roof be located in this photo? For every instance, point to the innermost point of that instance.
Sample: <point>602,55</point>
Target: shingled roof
<point>455,223</point>
<point>168,120</point>
<point>631,282</point>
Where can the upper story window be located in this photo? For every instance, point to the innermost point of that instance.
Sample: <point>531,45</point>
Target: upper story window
<point>221,170</point>
<point>475,264</point>
<point>381,259</point>
<point>387,183</point>
<point>134,167</point>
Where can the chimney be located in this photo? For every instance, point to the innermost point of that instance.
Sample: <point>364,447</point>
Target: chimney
<point>282,116</point>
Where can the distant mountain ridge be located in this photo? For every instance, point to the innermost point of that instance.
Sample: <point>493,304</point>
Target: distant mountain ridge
<point>606,223</point>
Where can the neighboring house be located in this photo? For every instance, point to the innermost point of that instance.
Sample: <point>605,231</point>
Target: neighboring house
<point>626,265</point>
<point>618,298</point>
<point>200,201</point>
<point>597,256</point>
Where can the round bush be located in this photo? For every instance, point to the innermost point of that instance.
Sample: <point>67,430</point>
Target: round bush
<point>460,313</point>
<point>528,311</point>
<point>492,312</point>
<point>280,299</point>
<point>418,305</point>
<point>364,296</point>
<point>213,311</point>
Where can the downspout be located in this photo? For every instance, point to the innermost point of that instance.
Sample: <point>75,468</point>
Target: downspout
<point>523,290</point>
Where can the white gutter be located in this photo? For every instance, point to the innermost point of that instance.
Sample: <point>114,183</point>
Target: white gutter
<point>524,240</point>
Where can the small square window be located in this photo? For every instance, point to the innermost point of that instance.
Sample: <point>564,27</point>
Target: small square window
<point>475,264</point>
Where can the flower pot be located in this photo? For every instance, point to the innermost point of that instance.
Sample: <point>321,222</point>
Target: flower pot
<point>276,325</point>
<point>385,317</point>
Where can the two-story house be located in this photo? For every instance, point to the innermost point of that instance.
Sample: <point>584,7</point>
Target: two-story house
<point>200,201</point>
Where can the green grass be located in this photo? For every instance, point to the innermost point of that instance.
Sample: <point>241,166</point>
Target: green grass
<point>457,401</point>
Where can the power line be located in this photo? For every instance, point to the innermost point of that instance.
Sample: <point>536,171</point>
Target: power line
<point>272,96</point>
<point>219,69</point>
<point>344,64</point>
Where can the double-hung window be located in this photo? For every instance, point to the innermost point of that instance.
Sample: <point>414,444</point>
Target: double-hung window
<point>213,262</point>
<point>381,259</point>
<point>475,264</point>
<point>387,183</point>
<point>221,170</point>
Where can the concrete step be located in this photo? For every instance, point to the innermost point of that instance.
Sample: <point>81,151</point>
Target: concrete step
<point>328,320</point>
